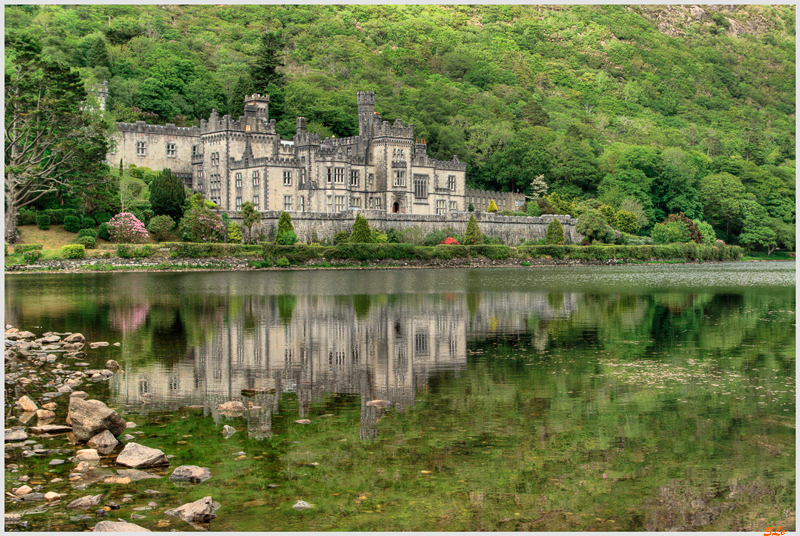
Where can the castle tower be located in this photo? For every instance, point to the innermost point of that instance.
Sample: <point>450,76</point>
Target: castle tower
<point>102,95</point>
<point>261,102</point>
<point>366,109</point>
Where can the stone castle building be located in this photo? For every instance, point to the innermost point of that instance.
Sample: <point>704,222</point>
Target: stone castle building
<point>230,161</point>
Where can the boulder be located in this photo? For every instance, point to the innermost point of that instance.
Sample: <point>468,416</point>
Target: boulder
<point>104,442</point>
<point>200,511</point>
<point>50,339</point>
<point>26,404</point>
<point>87,455</point>
<point>233,405</point>
<point>190,473</point>
<point>16,435</point>
<point>23,490</point>
<point>90,417</point>
<point>78,394</point>
<point>135,474</point>
<point>118,526</point>
<point>44,414</point>
<point>86,502</point>
<point>51,496</point>
<point>50,429</point>
<point>75,337</point>
<point>138,456</point>
<point>111,364</point>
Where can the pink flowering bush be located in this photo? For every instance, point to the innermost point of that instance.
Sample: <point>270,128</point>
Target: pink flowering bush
<point>450,241</point>
<point>200,224</point>
<point>126,228</point>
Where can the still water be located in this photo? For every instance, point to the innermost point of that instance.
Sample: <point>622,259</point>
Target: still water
<point>544,399</point>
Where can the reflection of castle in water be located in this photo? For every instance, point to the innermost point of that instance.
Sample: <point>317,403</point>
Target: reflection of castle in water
<point>377,346</point>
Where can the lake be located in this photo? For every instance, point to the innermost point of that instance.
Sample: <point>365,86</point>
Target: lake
<point>621,398</point>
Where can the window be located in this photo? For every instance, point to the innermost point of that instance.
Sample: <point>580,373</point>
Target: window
<point>238,203</point>
<point>256,178</point>
<point>375,203</point>
<point>330,203</point>
<point>255,202</point>
<point>287,203</point>
<point>330,175</point>
<point>172,150</point>
<point>453,206</point>
<point>349,151</point>
<point>194,150</point>
<point>215,188</point>
<point>338,175</point>
<point>420,187</point>
<point>302,175</point>
<point>399,178</point>
<point>302,205</point>
<point>287,178</point>
<point>303,159</point>
<point>339,203</point>
<point>238,180</point>
<point>141,148</point>
<point>355,202</point>
<point>440,207</point>
<point>451,182</point>
<point>214,159</point>
<point>354,178</point>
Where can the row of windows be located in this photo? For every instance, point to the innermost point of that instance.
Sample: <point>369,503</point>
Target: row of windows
<point>214,159</point>
<point>256,179</point>
<point>239,203</point>
<point>141,149</point>
<point>500,203</point>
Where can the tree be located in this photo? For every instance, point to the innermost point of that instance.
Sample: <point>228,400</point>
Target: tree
<point>243,88</point>
<point>264,70</point>
<point>492,206</point>
<point>626,222</point>
<point>250,216</point>
<point>592,225</point>
<point>555,233</point>
<point>48,136</point>
<point>472,235</point>
<point>167,195</point>
<point>756,230</point>
<point>285,234</point>
<point>538,187</point>
<point>361,232</point>
<point>722,194</point>
<point>471,207</point>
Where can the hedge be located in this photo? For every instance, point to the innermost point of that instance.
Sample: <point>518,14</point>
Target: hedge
<point>688,251</point>
<point>197,249</point>
<point>130,251</point>
<point>43,221</point>
<point>22,248</point>
<point>73,251</point>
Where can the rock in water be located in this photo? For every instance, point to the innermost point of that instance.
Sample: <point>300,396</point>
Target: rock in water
<point>104,442</point>
<point>90,417</point>
<point>75,337</point>
<point>118,526</point>
<point>111,364</point>
<point>16,435</point>
<point>228,431</point>
<point>233,405</point>
<point>138,456</point>
<point>87,455</point>
<point>85,502</point>
<point>200,511</point>
<point>26,404</point>
<point>190,473</point>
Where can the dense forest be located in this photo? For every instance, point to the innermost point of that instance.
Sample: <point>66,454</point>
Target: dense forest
<point>660,109</point>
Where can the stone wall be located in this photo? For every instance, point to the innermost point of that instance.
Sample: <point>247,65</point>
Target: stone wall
<point>510,229</point>
<point>480,200</point>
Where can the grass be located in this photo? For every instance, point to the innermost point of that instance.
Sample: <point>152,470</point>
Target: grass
<point>780,255</point>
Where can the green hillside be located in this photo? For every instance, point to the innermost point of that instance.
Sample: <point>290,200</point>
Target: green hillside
<point>678,108</point>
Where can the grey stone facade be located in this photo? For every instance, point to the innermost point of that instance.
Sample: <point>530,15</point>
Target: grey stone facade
<point>480,200</point>
<point>230,161</point>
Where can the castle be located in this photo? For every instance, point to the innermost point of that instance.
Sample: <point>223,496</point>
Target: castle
<point>230,162</point>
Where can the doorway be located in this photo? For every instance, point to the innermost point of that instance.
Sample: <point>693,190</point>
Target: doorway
<point>395,207</point>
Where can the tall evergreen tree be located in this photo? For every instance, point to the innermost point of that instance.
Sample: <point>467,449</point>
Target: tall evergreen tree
<point>361,232</point>
<point>167,195</point>
<point>98,54</point>
<point>244,87</point>
<point>264,70</point>
<point>472,235</point>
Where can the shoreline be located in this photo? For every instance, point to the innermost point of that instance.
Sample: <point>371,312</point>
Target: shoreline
<point>231,264</point>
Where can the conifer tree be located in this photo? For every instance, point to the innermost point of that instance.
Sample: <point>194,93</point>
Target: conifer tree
<point>473,234</point>
<point>361,231</point>
<point>167,195</point>
<point>492,206</point>
<point>284,224</point>
<point>555,233</point>
<point>264,70</point>
<point>244,87</point>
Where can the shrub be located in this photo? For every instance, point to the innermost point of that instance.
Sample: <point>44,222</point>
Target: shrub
<point>89,242</point>
<point>200,224</point>
<point>393,236</point>
<point>103,217</point>
<point>592,225</point>
<point>437,236</point>
<point>31,256</point>
<point>22,248</point>
<point>532,209</point>
<point>555,233</point>
<point>73,251</point>
<point>609,214</point>
<point>103,232</point>
<point>127,251</point>
<point>87,232</point>
<point>491,240</point>
<point>284,226</point>
<point>413,235</point>
<point>472,235</point>
<point>167,195</point>
<point>72,224</point>
<point>26,217</point>
<point>670,232</point>
<point>492,206</point>
<point>43,221</point>
<point>611,236</point>
<point>6,249</point>
<point>161,226</point>
<point>287,238</point>
<point>378,237</point>
<point>282,262</point>
<point>88,223</point>
<point>126,228</point>
<point>706,232</point>
<point>234,233</point>
<point>450,241</point>
<point>694,232</point>
<point>471,207</point>
<point>340,237</point>
<point>361,232</point>
<point>626,222</point>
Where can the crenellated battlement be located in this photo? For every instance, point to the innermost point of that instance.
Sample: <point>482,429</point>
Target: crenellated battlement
<point>449,165</point>
<point>395,130</point>
<point>165,130</point>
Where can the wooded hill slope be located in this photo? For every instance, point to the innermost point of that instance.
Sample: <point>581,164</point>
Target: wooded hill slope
<point>664,104</point>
